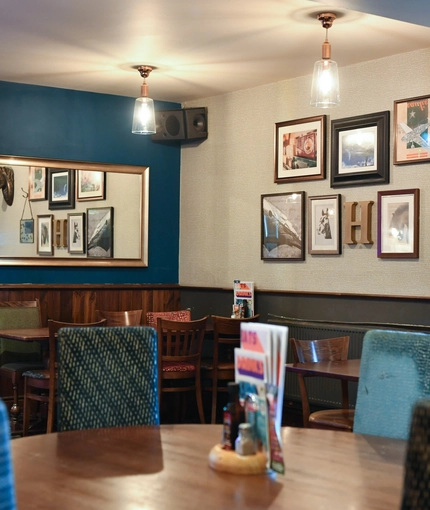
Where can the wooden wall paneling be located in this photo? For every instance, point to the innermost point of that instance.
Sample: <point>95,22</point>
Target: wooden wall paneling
<point>84,306</point>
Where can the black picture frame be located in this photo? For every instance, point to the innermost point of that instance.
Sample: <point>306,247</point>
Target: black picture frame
<point>283,226</point>
<point>61,189</point>
<point>360,153</point>
<point>100,232</point>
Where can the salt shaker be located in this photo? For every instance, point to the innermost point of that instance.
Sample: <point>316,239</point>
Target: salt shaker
<point>245,444</point>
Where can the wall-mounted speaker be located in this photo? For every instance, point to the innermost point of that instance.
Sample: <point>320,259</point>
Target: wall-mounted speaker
<point>185,124</point>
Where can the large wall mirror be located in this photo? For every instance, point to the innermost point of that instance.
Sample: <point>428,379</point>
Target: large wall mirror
<point>58,213</point>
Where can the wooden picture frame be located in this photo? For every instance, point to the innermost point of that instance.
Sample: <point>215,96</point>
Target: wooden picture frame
<point>398,223</point>
<point>300,149</point>
<point>282,226</point>
<point>100,232</point>
<point>61,189</point>
<point>37,183</point>
<point>411,130</point>
<point>90,185</point>
<point>324,225</point>
<point>76,240</point>
<point>360,150</point>
<point>45,244</point>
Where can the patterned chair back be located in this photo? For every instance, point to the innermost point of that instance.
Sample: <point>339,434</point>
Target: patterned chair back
<point>7,486</point>
<point>394,375</point>
<point>177,315</point>
<point>107,377</point>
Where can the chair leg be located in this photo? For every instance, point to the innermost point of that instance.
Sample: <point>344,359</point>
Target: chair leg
<point>199,398</point>
<point>214,398</point>
<point>15,410</point>
<point>27,411</point>
<point>50,420</point>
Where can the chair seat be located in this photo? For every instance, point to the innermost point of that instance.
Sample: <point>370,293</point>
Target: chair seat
<point>178,366</point>
<point>22,366</point>
<point>37,374</point>
<point>208,366</point>
<point>342,419</point>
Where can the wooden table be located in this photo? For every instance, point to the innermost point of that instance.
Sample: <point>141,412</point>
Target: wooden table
<point>347,370</point>
<point>26,334</point>
<point>167,468</point>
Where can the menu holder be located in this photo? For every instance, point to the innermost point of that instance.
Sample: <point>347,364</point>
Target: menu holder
<point>228,461</point>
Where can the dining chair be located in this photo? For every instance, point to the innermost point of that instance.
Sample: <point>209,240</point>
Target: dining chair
<point>7,483</point>
<point>394,375</point>
<point>220,369</point>
<point>179,358</point>
<point>416,485</point>
<point>325,349</point>
<point>41,385</point>
<point>17,357</point>
<point>107,377</point>
<point>122,318</point>
<point>176,315</point>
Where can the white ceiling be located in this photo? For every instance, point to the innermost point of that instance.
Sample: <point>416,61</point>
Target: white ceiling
<point>201,48</point>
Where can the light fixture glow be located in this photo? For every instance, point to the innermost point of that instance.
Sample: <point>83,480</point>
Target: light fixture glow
<point>325,80</point>
<point>144,116</point>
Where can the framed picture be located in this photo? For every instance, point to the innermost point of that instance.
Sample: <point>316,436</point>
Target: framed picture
<point>282,226</point>
<point>26,231</point>
<point>360,150</point>
<point>411,128</point>
<point>398,223</point>
<point>44,235</point>
<point>100,232</point>
<point>61,189</point>
<point>300,149</point>
<point>76,232</point>
<point>37,185</point>
<point>90,185</point>
<point>324,225</point>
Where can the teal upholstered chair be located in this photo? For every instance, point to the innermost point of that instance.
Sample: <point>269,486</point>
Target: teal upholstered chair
<point>7,486</point>
<point>107,377</point>
<point>394,375</point>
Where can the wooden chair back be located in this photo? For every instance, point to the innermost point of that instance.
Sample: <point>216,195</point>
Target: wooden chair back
<point>177,315</point>
<point>121,318</point>
<point>324,349</point>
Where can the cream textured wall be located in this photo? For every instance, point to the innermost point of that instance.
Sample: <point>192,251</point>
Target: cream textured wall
<point>223,178</point>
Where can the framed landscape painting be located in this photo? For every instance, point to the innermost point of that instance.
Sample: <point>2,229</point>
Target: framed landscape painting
<point>61,189</point>
<point>90,185</point>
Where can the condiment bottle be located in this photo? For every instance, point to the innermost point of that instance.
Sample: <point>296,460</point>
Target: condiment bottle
<point>245,443</point>
<point>233,415</point>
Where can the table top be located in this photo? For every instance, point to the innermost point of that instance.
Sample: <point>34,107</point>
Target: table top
<point>347,370</point>
<point>26,334</point>
<point>167,467</point>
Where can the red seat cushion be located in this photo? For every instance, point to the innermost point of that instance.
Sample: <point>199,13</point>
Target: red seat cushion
<point>178,366</point>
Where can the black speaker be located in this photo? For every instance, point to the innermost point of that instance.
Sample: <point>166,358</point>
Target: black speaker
<point>185,124</point>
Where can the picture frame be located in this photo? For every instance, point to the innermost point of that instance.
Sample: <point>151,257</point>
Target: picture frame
<point>398,223</point>
<point>90,185</point>
<point>37,183</point>
<point>324,225</point>
<point>76,240</point>
<point>100,232</point>
<point>61,189</point>
<point>360,150</point>
<point>411,130</point>
<point>45,245</point>
<point>26,231</point>
<point>282,226</point>
<point>300,149</point>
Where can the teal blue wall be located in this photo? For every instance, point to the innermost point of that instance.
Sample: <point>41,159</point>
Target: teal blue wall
<point>54,123</point>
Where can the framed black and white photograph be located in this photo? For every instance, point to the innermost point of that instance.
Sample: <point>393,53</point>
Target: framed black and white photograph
<point>324,225</point>
<point>100,232</point>
<point>90,185</point>
<point>399,224</point>
<point>360,150</point>
<point>282,226</point>
<point>61,189</point>
<point>300,149</point>
<point>76,233</point>
<point>44,235</point>
<point>37,184</point>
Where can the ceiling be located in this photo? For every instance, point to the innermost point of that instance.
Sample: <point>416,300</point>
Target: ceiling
<point>201,48</point>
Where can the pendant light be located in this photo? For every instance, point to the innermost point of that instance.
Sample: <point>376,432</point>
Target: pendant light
<point>143,116</point>
<point>325,80</point>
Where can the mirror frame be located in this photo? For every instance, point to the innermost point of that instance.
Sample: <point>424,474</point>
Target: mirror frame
<point>143,171</point>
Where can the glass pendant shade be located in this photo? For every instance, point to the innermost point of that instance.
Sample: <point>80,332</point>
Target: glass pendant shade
<point>143,117</point>
<point>325,84</point>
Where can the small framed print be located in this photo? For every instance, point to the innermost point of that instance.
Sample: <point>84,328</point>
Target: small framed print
<point>100,232</point>
<point>282,226</point>
<point>37,186</point>
<point>324,225</point>
<point>76,232</point>
<point>300,149</point>
<point>90,185</point>
<point>398,224</point>
<point>26,231</point>
<point>412,130</point>
<point>44,235</point>
<point>61,189</point>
